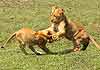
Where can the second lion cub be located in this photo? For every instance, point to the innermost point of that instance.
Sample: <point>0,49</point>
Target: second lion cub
<point>28,37</point>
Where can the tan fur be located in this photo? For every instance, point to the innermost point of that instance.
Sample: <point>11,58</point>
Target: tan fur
<point>80,34</point>
<point>64,27</point>
<point>28,37</point>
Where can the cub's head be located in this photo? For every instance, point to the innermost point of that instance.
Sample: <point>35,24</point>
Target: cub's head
<point>57,15</point>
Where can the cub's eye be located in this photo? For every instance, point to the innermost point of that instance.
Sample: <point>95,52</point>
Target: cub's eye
<point>54,15</point>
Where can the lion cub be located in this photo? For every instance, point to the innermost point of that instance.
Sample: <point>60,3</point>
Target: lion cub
<point>28,37</point>
<point>70,30</point>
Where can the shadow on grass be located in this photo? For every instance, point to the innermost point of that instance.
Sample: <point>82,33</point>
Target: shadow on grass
<point>66,51</point>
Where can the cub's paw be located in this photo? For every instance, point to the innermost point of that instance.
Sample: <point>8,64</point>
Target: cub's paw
<point>76,49</point>
<point>55,37</point>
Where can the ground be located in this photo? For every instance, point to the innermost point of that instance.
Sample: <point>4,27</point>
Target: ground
<point>15,14</point>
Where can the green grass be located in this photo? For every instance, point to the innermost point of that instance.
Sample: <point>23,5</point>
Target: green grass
<point>35,14</point>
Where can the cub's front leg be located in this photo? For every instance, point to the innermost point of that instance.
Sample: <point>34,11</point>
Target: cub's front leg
<point>57,35</point>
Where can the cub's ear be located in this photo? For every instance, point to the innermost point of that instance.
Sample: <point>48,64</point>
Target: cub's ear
<point>54,8</point>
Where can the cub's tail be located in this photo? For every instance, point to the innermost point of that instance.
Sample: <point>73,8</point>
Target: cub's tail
<point>14,34</point>
<point>94,42</point>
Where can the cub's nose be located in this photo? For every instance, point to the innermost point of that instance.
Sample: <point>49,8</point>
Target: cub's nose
<point>51,20</point>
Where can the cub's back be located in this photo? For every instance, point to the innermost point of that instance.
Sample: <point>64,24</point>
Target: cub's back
<point>25,34</point>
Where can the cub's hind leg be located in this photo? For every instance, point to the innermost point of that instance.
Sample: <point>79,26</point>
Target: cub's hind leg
<point>76,44</point>
<point>85,43</point>
<point>22,46</point>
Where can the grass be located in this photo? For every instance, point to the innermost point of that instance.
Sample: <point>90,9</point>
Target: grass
<point>35,14</point>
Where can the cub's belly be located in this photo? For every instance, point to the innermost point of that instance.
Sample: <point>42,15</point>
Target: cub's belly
<point>69,35</point>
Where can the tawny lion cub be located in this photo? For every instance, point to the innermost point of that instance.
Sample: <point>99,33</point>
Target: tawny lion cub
<point>28,37</point>
<point>63,27</point>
